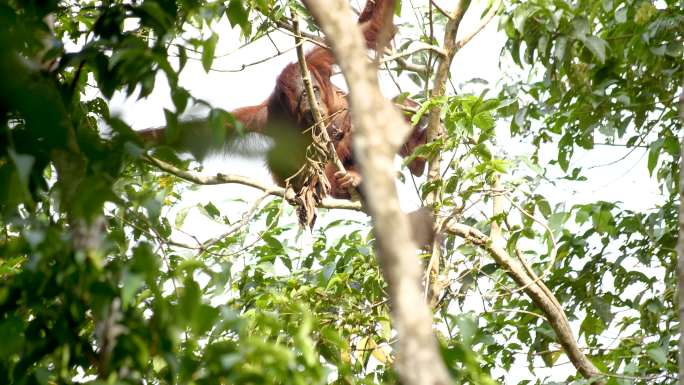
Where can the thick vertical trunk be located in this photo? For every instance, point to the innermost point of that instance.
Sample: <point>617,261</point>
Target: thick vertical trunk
<point>680,251</point>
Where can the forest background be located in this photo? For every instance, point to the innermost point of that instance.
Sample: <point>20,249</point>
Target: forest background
<point>557,190</point>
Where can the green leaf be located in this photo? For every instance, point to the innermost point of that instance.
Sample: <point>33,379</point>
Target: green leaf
<point>180,98</point>
<point>551,356</point>
<point>559,48</point>
<point>303,340</point>
<point>654,154</point>
<point>468,328</point>
<point>153,205</point>
<point>189,300</point>
<point>484,121</point>
<point>645,12</point>
<point>603,309</point>
<point>145,262</point>
<point>272,242</point>
<point>172,131</point>
<point>565,151</point>
<point>543,205</point>
<point>592,326</point>
<point>580,26</point>
<point>130,285</point>
<point>557,220</point>
<point>220,120</point>
<point>204,319</point>
<point>499,165</point>
<point>181,215</point>
<point>152,14</point>
<point>658,354</point>
<point>213,212</point>
<point>237,15</point>
<point>602,220</point>
<point>263,5</point>
<point>182,58</point>
<point>24,165</point>
<point>11,335</point>
<point>520,16</point>
<point>597,46</point>
<point>208,51</point>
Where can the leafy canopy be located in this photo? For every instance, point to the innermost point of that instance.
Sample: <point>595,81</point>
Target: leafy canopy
<point>95,284</point>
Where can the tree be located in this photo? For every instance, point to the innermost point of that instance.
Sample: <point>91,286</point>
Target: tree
<point>98,283</point>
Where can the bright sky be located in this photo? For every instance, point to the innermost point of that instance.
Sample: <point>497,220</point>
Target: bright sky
<point>479,59</point>
<point>626,181</point>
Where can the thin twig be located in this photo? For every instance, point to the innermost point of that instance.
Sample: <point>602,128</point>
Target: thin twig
<point>305,35</point>
<point>246,216</point>
<point>483,23</point>
<point>434,130</point>
<point>420,48</point>
<point>440,9</point>
<point>246,65</point>
<point>313,103</point>
<point>328,203</point>
<point>403,65</point>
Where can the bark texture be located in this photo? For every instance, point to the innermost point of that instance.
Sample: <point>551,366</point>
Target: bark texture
<point>379,131</point>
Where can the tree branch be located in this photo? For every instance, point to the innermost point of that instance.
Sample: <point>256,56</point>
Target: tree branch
<point>434,129</point>
<point>299,34</point>
<point>419,360</point>
<point>440,9</point>
<point>483,23</point>
<point>422,47</point>
<point>244,220</point>
<point>313,103</point>
<point>439,88</point>
<point>403,65</point>
<point>328,203</point>
<point>680,249</point>
<point>399,59</point>
<point>542,299</point>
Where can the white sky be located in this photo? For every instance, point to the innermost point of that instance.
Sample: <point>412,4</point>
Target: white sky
<point>627,181</point>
